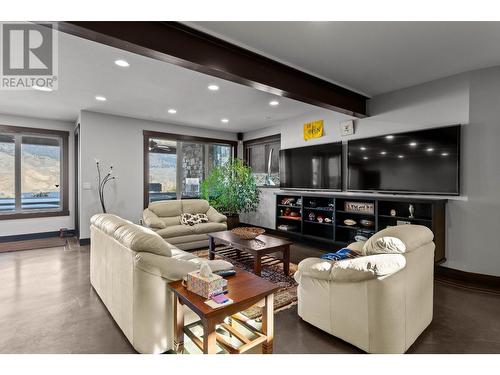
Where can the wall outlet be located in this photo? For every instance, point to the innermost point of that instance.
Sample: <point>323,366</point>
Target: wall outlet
<point>87,186</point>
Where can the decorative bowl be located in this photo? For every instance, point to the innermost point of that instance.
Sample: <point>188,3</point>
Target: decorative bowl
<point>349,222</point>
<point>248,233</point>
<point>367,223</point>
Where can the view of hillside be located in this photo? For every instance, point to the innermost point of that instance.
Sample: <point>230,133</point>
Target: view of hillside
<point>162,169</point>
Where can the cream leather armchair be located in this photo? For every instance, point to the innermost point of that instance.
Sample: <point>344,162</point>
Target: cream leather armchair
<point>164,217</point>
<point>379,303</point>
<point>130,267</point>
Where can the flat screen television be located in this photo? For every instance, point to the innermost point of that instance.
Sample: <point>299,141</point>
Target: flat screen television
<point>424,161</point>
<point>312,167</point>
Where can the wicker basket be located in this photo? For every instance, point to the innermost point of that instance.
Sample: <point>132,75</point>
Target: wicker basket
<point>248,233</point>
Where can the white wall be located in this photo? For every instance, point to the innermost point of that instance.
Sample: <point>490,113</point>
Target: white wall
<point>47,224</point>
<point>119,141</point>
<point>471,99</point>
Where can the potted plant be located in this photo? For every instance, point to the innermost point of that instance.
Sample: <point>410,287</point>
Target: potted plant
<point>231,189</point>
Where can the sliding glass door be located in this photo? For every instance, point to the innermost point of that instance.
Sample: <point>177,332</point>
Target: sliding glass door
<point>176,165</point>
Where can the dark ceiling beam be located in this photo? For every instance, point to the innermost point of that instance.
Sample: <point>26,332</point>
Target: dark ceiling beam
<point>181,45</point>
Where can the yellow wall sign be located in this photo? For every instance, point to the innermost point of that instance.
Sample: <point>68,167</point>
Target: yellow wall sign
<point>313,129</point>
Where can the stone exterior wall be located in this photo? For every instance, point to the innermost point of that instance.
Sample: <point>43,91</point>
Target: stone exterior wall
<point>192,164</point>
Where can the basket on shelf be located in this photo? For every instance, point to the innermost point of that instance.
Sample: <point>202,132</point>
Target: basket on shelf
<point>248,233</point>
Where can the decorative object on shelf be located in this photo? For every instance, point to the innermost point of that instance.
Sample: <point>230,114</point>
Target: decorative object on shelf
<point>312,204</point>
<point>328,220</point>
<point>349,222</point>
<point>319,218</point>
<point>393,212</point>
<point>367,223</point>
<point>231,189</point>
<point>299,202</point>
<point>287,211</point>
<point>312,216</point>
<point>411,209</point>
<point>347,128</point>
<point>248,233</point>
<point>281,212</point>
<point>287,227</point>
<point>102,182</point>
<point>402,222</point>
<point>288,201</point>
<point>359,207</point>
<point>360,238</point>
<point>294,214</point>
<point>313,129</point>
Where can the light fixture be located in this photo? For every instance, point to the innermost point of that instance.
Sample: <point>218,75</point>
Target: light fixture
<point>362,148</point>
<point>365,157</point>
<point>213,87</point>
<point>274,103</point>
<point>430,149</point>
<point>224,120</point>
<point>122,63</point>
<point>401,156</point>
<point>43,88</point>
<point>444,154</point>
<point>389,137</point>
<point>383,152</point>
<point>100,98</point>
<point>172,111</point>
<point>413,144</point>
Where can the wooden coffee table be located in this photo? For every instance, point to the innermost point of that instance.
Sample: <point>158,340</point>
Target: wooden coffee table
<point>246,290</point>
<point>256,250</point>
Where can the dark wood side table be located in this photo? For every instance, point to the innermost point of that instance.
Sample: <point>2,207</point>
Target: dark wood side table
<point>257,250</point>
<point>246,290</point>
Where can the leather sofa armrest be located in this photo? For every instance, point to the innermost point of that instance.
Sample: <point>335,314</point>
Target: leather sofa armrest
<point>152,220</point>
<point>314,267</point>
<point>175,269</point>
<point>215,216</point>
<point>357,246</point>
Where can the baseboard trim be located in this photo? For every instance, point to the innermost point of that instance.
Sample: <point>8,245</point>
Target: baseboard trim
<point>487,283</point>
<point>31,236</point>
<point>84,241</point>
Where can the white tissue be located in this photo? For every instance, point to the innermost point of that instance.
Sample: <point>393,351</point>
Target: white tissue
<point>205,270</point>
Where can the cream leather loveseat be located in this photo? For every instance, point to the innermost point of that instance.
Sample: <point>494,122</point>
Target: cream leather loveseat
<point>379,303</point>
<point>164,217</point>
<point>130,267</point>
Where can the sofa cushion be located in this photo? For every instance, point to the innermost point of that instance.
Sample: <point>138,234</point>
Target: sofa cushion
<point>108,223</point>
<point>169,221</point>
<point>166,208</point>
<point>176,231</point>
<point>367,267</point>
<point>413,236</point>
<point>141,239</point>
<point>209,227</point>
<point>195,206</point>
<point>386,245</point>
<point>187,239</point>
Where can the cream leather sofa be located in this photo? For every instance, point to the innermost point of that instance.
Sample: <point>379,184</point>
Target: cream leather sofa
<point>164,217</point>
<point>379,303</point>
<point>130,267</point>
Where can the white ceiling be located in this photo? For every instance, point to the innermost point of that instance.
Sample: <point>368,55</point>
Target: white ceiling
<point>369,57</point>
<point>146,90</point>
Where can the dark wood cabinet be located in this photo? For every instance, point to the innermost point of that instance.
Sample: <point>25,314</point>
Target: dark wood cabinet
<point>323,217</point>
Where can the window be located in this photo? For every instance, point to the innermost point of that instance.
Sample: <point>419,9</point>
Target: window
<point>176,165</point>
<point>33,172</point>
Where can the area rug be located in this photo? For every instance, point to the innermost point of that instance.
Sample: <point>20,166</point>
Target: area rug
<point>284,298</point>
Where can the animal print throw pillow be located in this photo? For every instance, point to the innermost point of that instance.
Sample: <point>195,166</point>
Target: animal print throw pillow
<point>192,219</point>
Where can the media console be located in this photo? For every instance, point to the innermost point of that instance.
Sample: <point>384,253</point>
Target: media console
<point>341,219</point>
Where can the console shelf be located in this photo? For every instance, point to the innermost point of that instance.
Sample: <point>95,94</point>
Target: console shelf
<point>428,212</point>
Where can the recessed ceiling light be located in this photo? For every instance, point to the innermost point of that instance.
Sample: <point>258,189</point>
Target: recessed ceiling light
<point>413,144</point>
<point>43,88</point>
<point>365,157</point>
<point>389,137</point>
<point>274,103</point>
<point>401,156</point>
<point>122,63</point>
<point>444,154</point>
<point>430,149</point>
<point>100,98</point>
<point>224,120</point>
<point>213,87</point>
<point>362,148</point>
<point>383,152</point>
<point>172,111</point>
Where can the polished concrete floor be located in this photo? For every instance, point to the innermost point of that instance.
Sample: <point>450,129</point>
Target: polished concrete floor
<point>48,306</point>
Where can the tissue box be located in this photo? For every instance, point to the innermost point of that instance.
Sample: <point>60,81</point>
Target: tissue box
<point>205,286</point>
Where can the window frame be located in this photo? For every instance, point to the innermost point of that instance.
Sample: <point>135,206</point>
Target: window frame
<point>63,210</point>
<point>147,135</point>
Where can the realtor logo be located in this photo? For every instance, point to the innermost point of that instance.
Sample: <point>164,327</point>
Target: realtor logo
<point>28,56</point>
